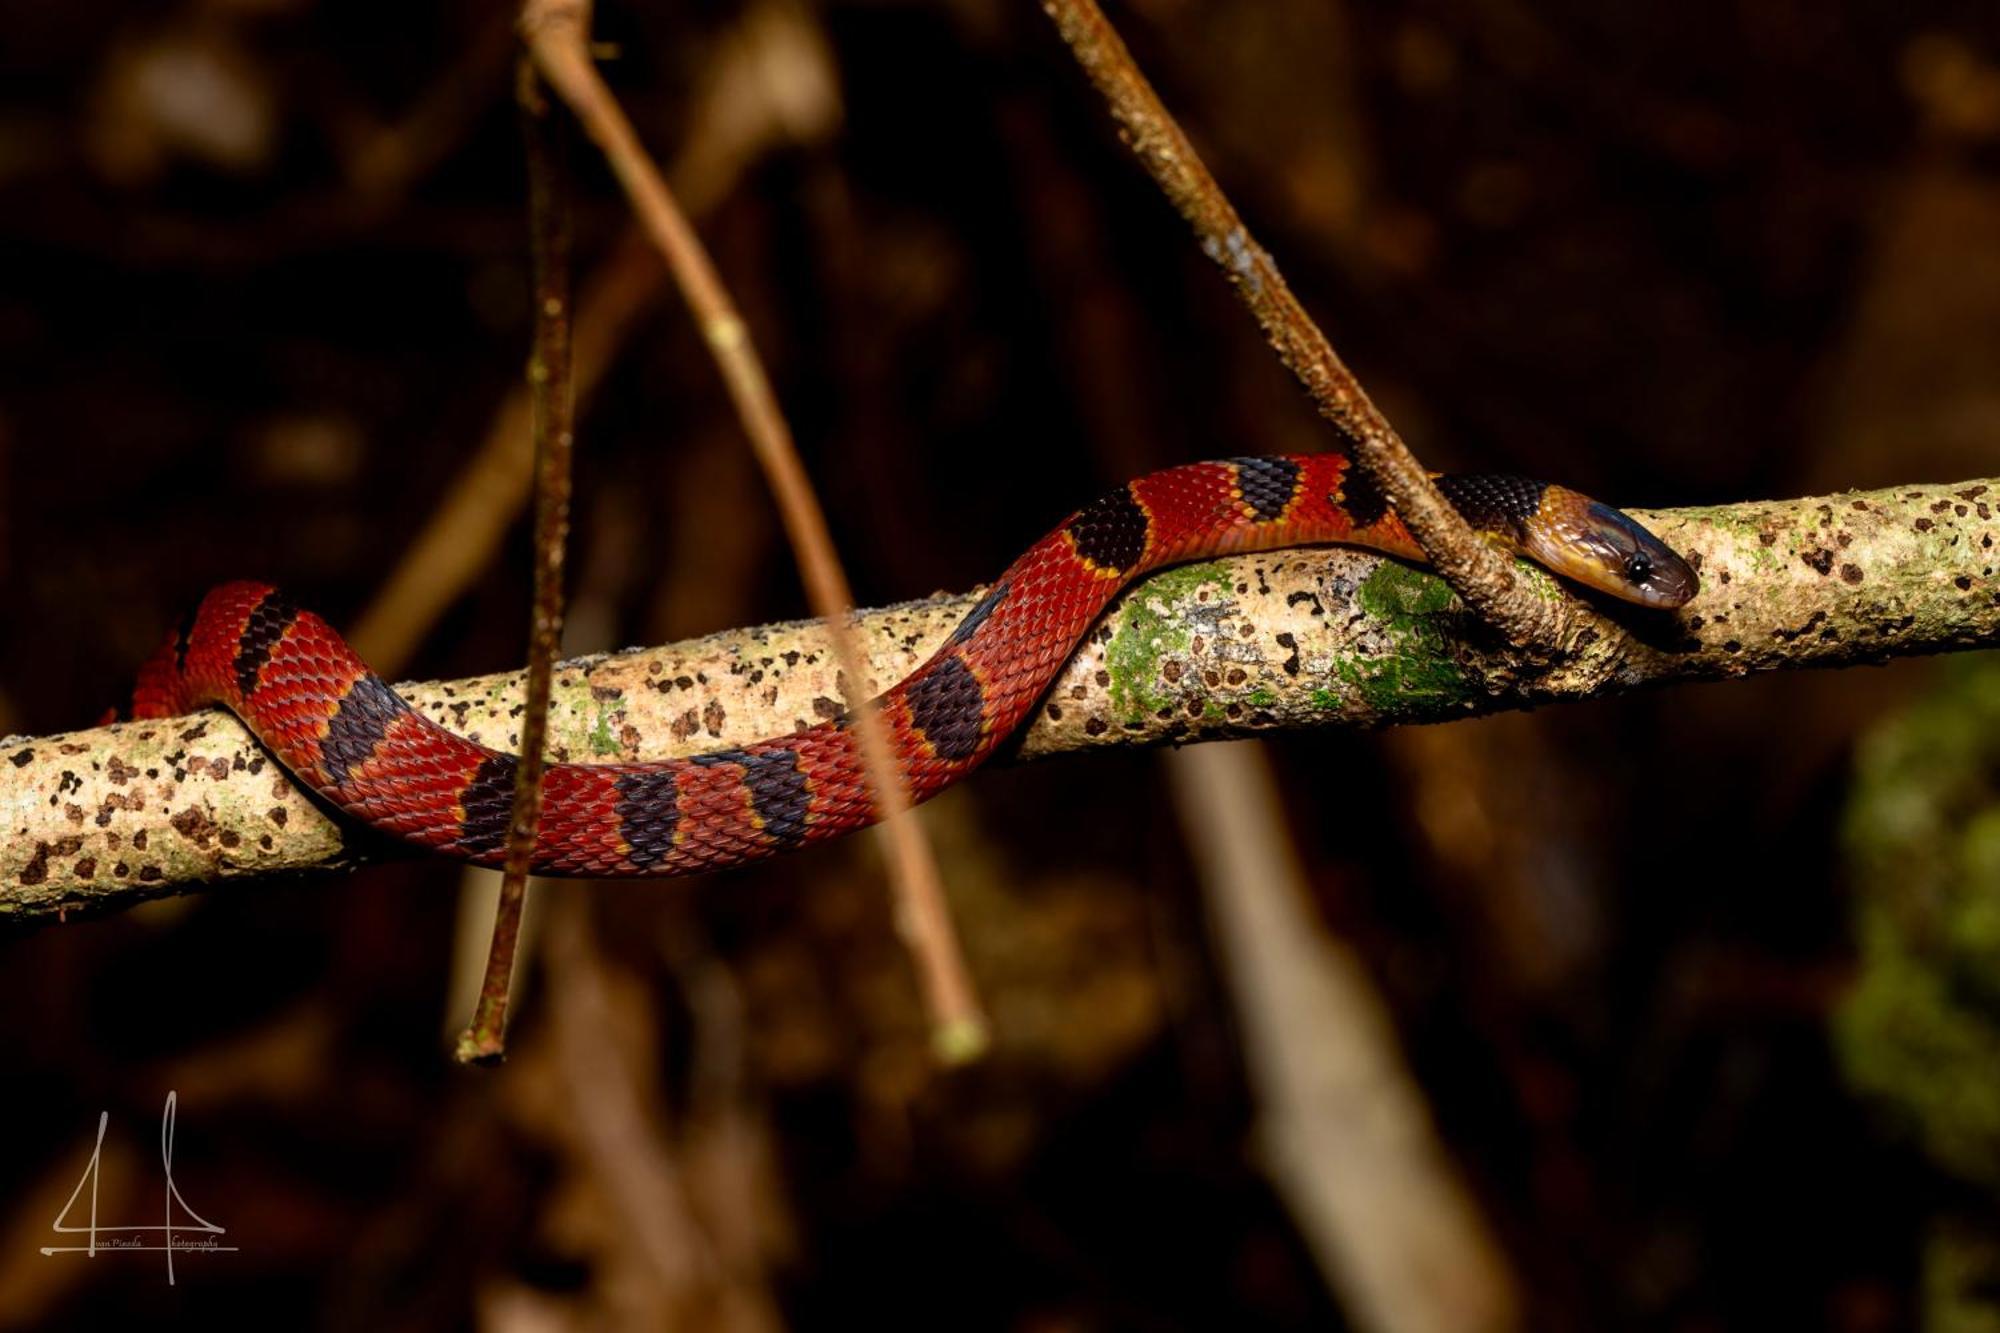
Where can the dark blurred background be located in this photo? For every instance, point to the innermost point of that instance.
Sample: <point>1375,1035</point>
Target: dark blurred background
<point>265,290</point>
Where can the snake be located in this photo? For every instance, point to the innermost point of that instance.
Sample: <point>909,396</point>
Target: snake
<point>313,703</point>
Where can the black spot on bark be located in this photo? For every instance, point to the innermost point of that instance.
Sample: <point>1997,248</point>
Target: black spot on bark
<point>1291,663</point>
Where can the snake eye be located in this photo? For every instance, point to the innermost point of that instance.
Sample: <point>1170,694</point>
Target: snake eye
<point>1602,548</point>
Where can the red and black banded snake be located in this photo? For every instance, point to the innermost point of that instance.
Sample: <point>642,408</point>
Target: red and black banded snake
<point>333,722</point>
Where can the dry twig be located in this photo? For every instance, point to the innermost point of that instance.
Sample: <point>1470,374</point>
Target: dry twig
<point>1479,574</point>
<point>772,82</point>
<point>557,33</point>
<point>549,390</point>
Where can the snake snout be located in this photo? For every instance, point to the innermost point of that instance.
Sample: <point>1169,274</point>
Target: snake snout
<point>1606,549</point>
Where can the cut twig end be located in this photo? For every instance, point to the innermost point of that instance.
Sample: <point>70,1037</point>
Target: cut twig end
<point>961,1042</point>
<point>480,1046</point>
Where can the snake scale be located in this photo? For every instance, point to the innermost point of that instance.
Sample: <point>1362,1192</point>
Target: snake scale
<point>333,722</point>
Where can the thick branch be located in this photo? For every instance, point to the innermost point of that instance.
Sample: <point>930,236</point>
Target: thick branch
<point>1289,639</point>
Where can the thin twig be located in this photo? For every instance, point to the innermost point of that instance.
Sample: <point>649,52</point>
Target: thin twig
<point>772,82</point>
<point>557,32</point>
<point>484,1039</point>
<point>473,515</point>
<point>1474,569</point>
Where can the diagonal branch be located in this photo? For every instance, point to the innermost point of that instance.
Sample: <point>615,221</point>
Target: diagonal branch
<point>1478,573</point>
<point>98,820</point>
<point>557,32</point>
<point>771,83</point>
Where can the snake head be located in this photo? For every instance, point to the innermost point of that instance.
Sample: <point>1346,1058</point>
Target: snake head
<point>1602,548</point>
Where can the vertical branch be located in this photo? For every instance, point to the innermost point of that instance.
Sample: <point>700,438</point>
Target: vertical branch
<point>557,33</point>
<point>549,389</point>
<point>1475,570</point>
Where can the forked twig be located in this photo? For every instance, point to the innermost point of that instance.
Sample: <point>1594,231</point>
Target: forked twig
<point>557,34</point>
<point>484,1038</point>
<point>1475,570</point>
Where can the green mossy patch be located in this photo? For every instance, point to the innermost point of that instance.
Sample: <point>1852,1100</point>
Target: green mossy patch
<point>1419,616</point>
<point>601,739</point>
<point>1920,1032</point>
<point>1961,1274</point>
<point>1153,625</point>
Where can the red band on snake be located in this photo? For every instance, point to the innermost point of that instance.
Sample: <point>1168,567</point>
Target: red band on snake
<point>334,723</point>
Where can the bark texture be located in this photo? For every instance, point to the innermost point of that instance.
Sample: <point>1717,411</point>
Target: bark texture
<point>99,819</point>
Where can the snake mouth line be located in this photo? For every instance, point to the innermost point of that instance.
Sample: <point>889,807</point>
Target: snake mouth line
<point>1606,549</point>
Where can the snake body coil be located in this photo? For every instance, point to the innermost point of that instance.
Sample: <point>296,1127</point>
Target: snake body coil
<point>345,733</point>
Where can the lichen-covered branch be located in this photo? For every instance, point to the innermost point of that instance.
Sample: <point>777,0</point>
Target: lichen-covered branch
<point>1287,639</point>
